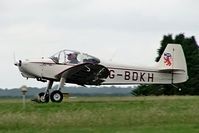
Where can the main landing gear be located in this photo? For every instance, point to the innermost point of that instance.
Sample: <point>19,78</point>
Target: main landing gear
<point>54,96</point>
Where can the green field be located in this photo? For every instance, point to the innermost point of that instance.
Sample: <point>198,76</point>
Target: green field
<point>176,114</point>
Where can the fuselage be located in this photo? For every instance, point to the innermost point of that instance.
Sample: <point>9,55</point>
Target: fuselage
<point>45,69</point>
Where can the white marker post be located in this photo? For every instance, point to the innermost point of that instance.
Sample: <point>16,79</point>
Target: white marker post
<point>24,89</point>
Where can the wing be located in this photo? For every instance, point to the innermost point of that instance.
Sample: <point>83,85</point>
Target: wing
<point>86,74</point>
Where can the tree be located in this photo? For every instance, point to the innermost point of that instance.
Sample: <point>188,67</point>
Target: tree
<point>191,87</point>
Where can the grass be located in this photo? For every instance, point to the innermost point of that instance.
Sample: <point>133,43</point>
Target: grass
<point>176,114</point>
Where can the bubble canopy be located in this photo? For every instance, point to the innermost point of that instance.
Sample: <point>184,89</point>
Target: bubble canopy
<point>73,57</point>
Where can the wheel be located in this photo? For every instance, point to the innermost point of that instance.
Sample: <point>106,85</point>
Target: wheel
<point>56,96</point>
<point>43,99</point>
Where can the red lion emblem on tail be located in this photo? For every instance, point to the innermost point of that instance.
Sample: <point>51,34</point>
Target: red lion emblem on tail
<point>167,59</point>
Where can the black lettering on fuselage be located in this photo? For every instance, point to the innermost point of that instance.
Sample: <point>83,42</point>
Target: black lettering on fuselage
<point>150,77</point>
<point>135,76</point>
<point>142,76</point>
<point>138,76</point>
<point>112,74</point>
<point>127,75</point>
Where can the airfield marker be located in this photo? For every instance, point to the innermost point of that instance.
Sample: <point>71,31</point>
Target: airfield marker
<point>24,90</point>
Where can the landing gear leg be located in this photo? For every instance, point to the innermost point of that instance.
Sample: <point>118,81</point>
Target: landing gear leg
<point>57,96</point>
<point>44,96</point>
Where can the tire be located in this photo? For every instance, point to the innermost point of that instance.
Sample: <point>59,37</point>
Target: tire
<point>43,99</point>
<point>56,96</point>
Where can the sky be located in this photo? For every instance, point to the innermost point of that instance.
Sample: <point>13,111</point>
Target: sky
<point>122,31</point>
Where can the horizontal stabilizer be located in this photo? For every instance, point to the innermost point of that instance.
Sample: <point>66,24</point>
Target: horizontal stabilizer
<point>171,70</point>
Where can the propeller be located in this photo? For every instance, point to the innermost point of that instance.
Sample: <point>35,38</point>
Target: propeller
<point>16,63</point>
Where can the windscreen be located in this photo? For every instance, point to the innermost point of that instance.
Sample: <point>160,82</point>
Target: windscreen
<point>73,57</point>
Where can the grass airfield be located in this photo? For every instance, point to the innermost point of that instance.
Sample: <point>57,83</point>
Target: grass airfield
<point>173,114</point>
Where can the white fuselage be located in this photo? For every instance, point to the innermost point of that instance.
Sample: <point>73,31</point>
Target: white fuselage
<point>119,75</point>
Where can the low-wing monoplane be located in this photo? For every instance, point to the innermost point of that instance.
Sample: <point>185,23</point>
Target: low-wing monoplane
<point>75,67</point>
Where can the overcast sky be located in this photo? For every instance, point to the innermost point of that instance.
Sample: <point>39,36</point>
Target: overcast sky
<point>123,31</point>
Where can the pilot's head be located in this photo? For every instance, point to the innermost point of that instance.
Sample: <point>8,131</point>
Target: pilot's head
<point>72,56</point>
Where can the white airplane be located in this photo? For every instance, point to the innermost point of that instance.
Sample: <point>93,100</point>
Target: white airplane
<point>68,66</point>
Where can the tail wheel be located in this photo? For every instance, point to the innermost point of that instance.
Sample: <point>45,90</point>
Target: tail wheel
<point>56,96</point>
<point>43,98</point>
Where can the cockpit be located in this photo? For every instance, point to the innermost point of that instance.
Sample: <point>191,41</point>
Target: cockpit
<point>73,57</point>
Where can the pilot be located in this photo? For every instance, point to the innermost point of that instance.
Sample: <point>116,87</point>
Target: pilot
<point>72,57</point>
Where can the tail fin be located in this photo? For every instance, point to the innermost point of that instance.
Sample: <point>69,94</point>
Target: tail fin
<point>173,61</point>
